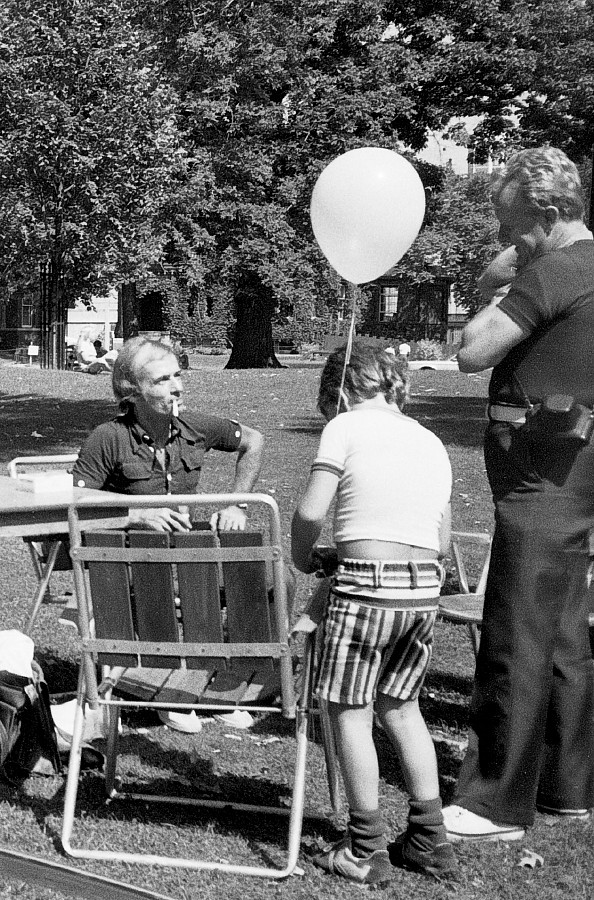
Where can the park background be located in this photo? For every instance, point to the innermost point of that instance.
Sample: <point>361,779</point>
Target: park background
<point>168,150</point>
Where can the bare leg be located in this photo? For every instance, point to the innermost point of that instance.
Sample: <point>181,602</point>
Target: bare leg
<point>356,752</point>
<point>408,732</point>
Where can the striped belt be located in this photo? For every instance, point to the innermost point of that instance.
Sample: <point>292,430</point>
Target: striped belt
<point>393,584</point>
<point>502,412</point>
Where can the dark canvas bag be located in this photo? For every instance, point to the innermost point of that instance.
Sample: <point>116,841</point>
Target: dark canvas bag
<point>27,730</point>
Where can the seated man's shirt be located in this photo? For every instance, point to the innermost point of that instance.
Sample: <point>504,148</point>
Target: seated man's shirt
<point>119,456</point>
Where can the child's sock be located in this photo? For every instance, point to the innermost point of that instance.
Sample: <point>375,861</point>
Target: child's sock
<point>367,830</point>
<point>425,824</point>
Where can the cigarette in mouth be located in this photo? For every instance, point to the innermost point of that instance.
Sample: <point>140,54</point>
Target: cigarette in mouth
<point>175,407</point>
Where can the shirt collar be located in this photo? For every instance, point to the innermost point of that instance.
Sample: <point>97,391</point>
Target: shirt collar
<point>139,437</point>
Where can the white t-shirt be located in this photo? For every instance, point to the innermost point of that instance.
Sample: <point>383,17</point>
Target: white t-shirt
<point>395,477</point>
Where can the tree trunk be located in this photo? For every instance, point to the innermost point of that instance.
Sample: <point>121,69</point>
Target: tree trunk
<point>53,317</point>
<point>129,305</point>
<point>591,203</point>
<point>253,346</point>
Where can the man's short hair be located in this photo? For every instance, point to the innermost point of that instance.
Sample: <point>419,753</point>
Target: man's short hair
<point>369,371</point>
<point>131,359</point>
<point>546,177</point>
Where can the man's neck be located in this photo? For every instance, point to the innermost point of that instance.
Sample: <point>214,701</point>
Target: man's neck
<point>567,233</point>
<point>156,425</point>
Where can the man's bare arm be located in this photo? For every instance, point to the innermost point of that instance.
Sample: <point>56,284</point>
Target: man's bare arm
<point>247,468</point>
<point>487,338</point>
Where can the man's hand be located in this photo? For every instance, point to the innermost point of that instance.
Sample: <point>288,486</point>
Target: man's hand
<point>500,272</point>
<point>164,519</point>
<point>232,518</point>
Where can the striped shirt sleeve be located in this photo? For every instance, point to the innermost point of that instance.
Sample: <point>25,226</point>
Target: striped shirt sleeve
<point>331,455</point>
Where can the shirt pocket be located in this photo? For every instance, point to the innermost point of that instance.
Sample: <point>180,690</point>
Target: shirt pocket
<point>192,458</point>
<point>136,477</point>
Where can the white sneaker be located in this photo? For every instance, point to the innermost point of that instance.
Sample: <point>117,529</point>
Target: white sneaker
<point>189,723</point>
<point>239,718</point>
<point>463,825</point>
<point>569,815</point>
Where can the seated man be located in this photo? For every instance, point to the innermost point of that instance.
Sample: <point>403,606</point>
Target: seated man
<point>152,447</point>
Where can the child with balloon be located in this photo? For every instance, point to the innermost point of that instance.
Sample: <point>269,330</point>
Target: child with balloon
<point>391,480</point>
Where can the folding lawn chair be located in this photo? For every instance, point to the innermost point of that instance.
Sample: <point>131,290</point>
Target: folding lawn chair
<point>49,553</point>
<point>150,603</point>
<point>466,607</point>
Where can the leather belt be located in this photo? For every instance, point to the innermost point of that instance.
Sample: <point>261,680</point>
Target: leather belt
<point>500,412</point>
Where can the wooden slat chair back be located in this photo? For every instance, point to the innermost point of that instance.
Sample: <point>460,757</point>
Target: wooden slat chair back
<point>49,554</point>
<point>150,614</point>
<point>466,607</point>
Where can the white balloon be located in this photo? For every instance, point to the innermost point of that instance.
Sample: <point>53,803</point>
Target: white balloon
<point>367,207</point>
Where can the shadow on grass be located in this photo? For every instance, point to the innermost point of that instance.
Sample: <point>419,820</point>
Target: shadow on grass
<point>62,424</point>
<point>61,675</point>
<point>190,774</point>
<point>449,759</point>
<point>457,421</point>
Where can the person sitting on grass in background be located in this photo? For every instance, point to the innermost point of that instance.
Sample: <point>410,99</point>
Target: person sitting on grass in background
<point>392,482</point>
<point>109,356</point>
<point>87,358</point>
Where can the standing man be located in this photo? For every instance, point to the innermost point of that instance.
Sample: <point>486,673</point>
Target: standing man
<point>531,744</point>
<point>153,447</point>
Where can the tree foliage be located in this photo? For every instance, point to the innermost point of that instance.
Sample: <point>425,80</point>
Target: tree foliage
<point>88,142</point>
<point>178,143</point>
<point>272,92</point>
<point>459,241</point>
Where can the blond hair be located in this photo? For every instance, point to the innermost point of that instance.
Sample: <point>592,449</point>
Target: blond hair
<point>369,371</point>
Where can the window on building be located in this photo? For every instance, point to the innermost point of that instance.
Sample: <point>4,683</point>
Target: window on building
<point>388,306</point>
<point>27,312</point>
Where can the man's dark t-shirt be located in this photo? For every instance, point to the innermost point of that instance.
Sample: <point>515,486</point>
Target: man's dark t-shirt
<point>553,298</point>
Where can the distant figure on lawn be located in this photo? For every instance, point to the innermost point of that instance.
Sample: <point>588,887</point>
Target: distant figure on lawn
<point>392,482</point>
<point>404,350</point>
<point>531,743</point>
<point>153,447</point>
<point>87,357</point>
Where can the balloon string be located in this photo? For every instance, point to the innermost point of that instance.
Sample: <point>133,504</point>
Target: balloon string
<point>347,359</point>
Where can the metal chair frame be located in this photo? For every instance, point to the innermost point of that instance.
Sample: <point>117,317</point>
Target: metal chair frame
<point>44,565</point>
<point>108,650</point>
<point>466,608</point>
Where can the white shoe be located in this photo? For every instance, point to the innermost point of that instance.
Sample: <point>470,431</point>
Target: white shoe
<point>568,815</point>
<point>239,718</point>
<point>189,723</point>
<point>463,825</point>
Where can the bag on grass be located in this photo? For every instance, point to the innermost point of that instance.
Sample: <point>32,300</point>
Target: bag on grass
<point>27,731</point>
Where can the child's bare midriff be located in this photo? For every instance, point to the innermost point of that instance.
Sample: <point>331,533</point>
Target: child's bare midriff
<point>386,550</point>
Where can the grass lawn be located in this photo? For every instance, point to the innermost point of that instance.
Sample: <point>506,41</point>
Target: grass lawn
<point>52,412</point>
